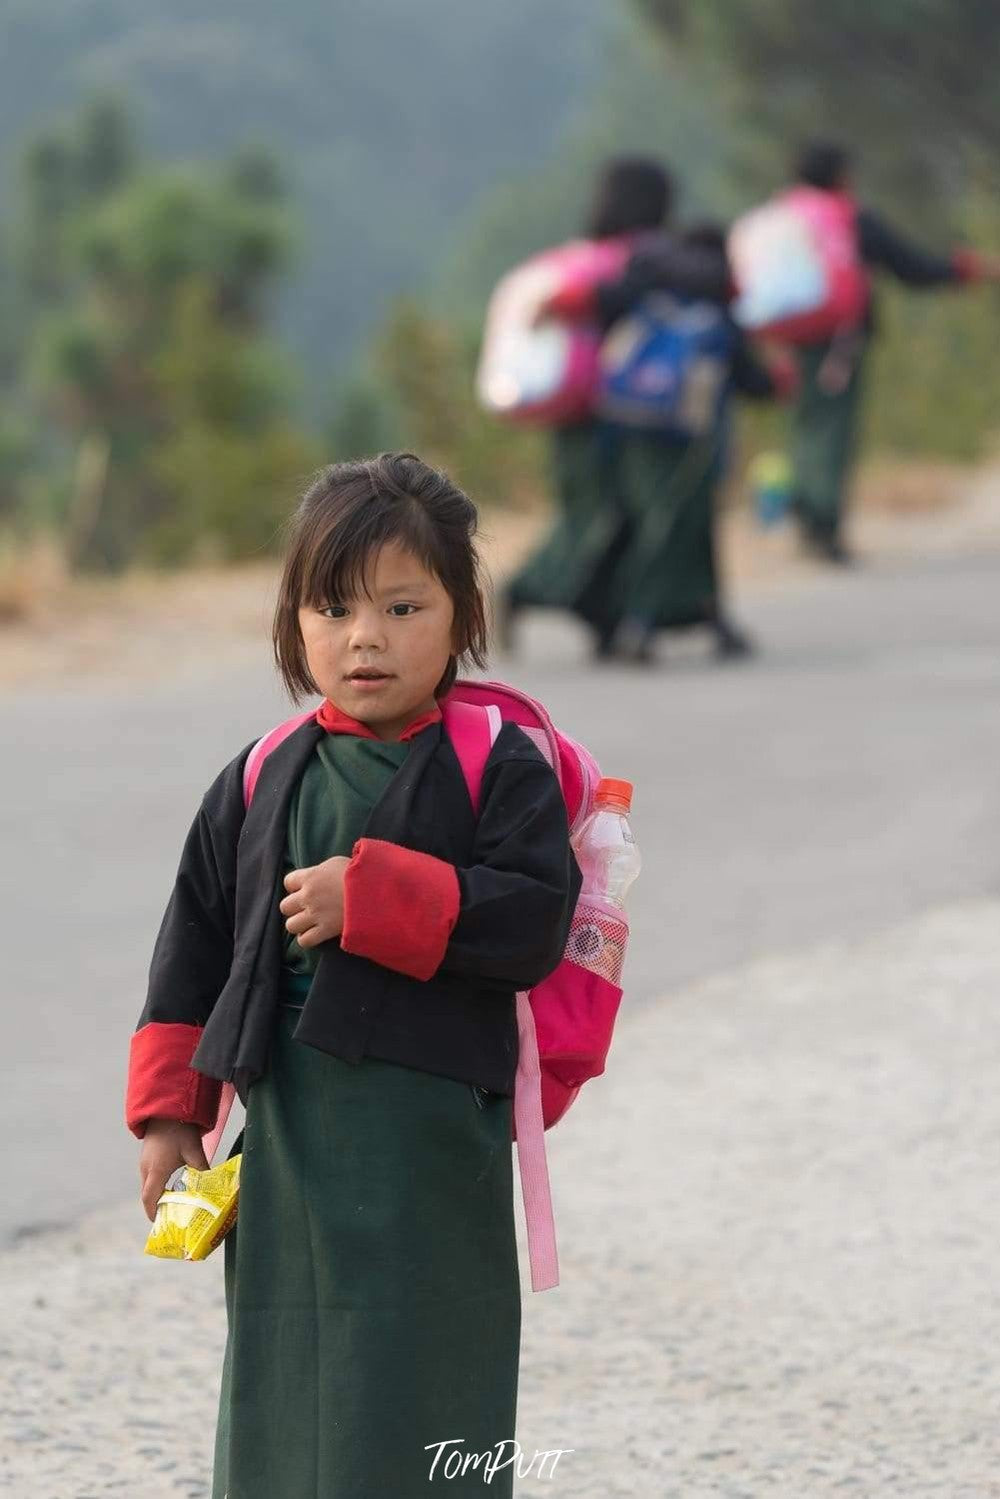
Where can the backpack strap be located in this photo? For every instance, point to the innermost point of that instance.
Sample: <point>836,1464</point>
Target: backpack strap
<point>264,746</point>
<point>210,1140</point>
<point>532,1164</point>
<point>473,731</point>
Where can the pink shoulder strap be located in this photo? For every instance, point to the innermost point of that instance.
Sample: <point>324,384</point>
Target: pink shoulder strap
<point>264,746</point>
<point>472,730</point>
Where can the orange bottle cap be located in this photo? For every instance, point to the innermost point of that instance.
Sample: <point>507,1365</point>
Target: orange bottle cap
<point>611,793</point>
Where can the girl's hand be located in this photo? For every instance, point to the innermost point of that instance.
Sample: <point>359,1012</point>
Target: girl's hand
<point>315,905</point>
<point>166,1145</point>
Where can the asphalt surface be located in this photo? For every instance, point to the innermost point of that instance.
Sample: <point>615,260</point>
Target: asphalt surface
<point>843,780</point>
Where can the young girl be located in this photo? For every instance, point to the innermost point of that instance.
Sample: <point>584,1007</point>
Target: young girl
<point>667,577</point>
<point>347,951</point>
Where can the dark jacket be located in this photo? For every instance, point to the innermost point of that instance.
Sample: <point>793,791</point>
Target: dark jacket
<point>216,973</point>
<point>662,261</point>
<point>750,376</point>
<point>883,248</point>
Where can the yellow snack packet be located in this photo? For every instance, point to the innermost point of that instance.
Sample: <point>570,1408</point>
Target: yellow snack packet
<point>194,1217</point>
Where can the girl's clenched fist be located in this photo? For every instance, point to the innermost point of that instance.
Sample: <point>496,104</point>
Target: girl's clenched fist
<point>314,906</point>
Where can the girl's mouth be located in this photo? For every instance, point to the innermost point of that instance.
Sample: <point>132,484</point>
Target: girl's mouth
<point>368,678</point>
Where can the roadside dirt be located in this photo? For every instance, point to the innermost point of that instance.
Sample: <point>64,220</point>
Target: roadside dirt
<point>59,630</point>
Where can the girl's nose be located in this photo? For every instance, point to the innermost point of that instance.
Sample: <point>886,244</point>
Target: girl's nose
<point>367,631</point>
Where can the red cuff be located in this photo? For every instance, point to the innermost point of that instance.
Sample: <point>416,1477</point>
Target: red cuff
<point>161,1084</point>
<point>967,264</point>
<point>400,907</point>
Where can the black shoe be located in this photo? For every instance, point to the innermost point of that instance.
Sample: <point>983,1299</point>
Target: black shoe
<point>835,551</point>
<point>731,644</point>
<point>827,548</point>
<point>602,645</point>
<point>633,643</point>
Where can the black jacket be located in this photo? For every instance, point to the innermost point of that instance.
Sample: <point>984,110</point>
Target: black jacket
<point>883,248</point>
<point>662,261</point>
<point>217,960</point>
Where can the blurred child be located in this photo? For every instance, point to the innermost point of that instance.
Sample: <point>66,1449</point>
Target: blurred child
<point>632,204</point>
<point>827,409</point>
<point>668,577</point>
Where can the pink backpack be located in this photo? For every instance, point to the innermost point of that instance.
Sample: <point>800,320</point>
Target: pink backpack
<point>545,371</point>
<point>798,267</point>
<point>565,1023</point>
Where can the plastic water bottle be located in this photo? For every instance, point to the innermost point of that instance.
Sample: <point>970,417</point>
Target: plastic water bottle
<point>605,846</point>
<point>609,861</point>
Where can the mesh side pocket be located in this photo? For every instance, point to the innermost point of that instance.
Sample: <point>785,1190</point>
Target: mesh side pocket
<point>598,935</point>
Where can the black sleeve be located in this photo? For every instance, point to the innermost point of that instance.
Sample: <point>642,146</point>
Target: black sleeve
<point>193,952</point>
<point>883,247</point>
<point>666,265</point>
<point>750,375</point>
<point>518,897</point>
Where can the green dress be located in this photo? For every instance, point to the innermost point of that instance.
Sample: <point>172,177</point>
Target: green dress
<point>372,1287</point>
<point>560,574</point>
<point>824,440</point>
<point>667,576</point>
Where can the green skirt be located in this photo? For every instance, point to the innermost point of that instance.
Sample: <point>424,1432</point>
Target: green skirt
<point>372,1288</point>
<point>586,521</point>
<point>824,441</point>
<point>667,577</point>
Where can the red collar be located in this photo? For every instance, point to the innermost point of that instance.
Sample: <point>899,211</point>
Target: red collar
<point>331,718</point>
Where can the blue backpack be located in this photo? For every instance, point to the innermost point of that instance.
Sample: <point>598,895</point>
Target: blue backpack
<point>666,366</point>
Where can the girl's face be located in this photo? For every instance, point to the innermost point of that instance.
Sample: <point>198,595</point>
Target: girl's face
<point>379,659</point>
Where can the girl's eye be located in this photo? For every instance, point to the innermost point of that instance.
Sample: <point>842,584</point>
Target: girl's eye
<point>334,611</point>
<point>407,608</point>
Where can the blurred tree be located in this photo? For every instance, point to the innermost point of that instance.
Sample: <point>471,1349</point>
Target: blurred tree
<point>49,197</point>
<point>65,171</point>
<point>255,173</point>
<point>364,420</point>
<point>426,372</point>
<point>105,150</point>
<point>230,459</point>
<point>393,116</point>
<point>17,452</point>
<point>153,361</point>
<point>910,83</point>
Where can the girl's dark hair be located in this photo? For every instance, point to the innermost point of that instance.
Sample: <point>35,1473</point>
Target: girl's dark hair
<point>349,512</point>
<point>633,192</point>
<point>823,164</point>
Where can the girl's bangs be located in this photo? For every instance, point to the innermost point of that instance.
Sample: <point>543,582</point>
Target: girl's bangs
<point>339,564</point>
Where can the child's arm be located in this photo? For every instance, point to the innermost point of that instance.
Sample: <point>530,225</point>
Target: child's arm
<point>190,965</point>
<point>763,374</point>
<point>504,919</point>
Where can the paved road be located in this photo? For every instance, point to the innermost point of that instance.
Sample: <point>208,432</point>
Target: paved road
<point>843,782</point>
